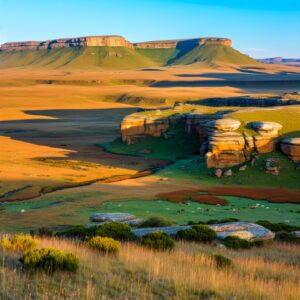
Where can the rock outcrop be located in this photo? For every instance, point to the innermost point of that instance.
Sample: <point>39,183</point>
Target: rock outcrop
<point>135,127</point>
<point>185,43</point>
<point>90,41</point>
<point>264,141</point>
<point>222,142</point>
<point>291,148</point>
<point>110,41</point>
<point>225,146</point>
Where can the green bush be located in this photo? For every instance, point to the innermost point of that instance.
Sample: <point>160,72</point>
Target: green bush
<point>49,259</point>
<point>157,241</point>
<point>222,261</point>
<point>234,242</point>
<point>115,230</point>
<point>44,232</point>
<point>19,242</point>
<point>155,222</point>
<point>277,227</point>
<point>79,232</point>
<point>198,233</point>
<point>104,244</point>
<point>287,237</point>
<point>227,220</point>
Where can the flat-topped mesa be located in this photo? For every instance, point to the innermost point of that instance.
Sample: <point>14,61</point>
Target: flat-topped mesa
<point>184,43</point>
<point>89,41</point>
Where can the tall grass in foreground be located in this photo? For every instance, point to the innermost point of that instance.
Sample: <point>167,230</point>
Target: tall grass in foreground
<point>188,272</point>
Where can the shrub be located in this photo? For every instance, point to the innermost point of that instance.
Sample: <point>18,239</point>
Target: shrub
<point>104,244</point>
<point>44,232</point>
<point>227,220</point>
<point>155,222</point>
<point>115,230</point>
<point>234,242</point>
<point>287,237</point>
<point>19,243</point>
<point>198,233</point>
<point>79,232</point>
<point>222,261</point>
<point>49,259</point>
<point>277,227</point>
<point>158,241</point>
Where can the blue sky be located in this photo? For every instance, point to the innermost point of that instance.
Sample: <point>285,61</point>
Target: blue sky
<point>261,28</point>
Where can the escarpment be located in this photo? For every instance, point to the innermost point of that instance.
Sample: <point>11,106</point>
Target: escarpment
<point>90,41</point>
<point>109,41</point>
<point>184,43</point>
<point>224,142</point>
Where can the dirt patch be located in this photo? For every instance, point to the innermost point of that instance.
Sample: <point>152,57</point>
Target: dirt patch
<point>209,199</point>
<point>177,196</point>
<point>278,195</point>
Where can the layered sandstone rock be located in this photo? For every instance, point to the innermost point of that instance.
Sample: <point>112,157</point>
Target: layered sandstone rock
<point>225,147</point>
<point>264,142</point>
<point>90,41</point>
<point>185,43</point>
<point>291,148</point>
<point>135,127</point>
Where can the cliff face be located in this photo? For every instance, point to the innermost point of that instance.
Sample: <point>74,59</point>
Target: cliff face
<point>179,44</point>
<point>100,41</point>
<point>112,41</point>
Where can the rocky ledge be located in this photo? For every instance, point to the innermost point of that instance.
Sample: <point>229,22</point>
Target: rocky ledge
<point>291,147</point>
<point>222,140</point>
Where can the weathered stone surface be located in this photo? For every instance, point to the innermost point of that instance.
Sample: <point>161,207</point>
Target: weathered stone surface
<point>136,126</point>
<point>272,165</point>
<point>267,128</point>
<point>186,43</point>
<point>218,173</point>
<point>228,173</point>
<point>267,132</point>
<point>224,124</point>
<point>89,41</point>
<point>111,217</point>
<point>291,148</point>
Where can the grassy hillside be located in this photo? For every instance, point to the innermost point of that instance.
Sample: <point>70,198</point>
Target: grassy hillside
<point>211,54</point>
<point>121,57</point>
<point>160,56</point>
<point>81,58</point>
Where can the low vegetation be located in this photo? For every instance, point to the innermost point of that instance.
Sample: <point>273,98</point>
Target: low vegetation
<point>18,243</point>
<point>158,241</point>
<point>104,244</point>
<point>155,222</point>
<point>198,233</point>
<point>49,259</point>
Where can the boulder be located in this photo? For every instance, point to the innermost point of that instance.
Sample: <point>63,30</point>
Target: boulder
<point>267,128</point>
<point>218,173</point>
<point>111,217</point>
<point>291,148</point>
<point>243,168</point>
<point>224,124</point>
<point>228,173</point>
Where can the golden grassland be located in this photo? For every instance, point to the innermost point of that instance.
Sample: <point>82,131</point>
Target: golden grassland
<point>49,115</point>
<point>188,272</point>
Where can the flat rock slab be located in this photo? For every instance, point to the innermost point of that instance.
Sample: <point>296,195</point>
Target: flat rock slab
<point>111,217</point>
<point>266,126</point>
<point>224,124</point>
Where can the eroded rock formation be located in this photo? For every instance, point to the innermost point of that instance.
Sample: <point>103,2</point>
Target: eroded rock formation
<point>185,43</point>
<point>90,41</point>
<point>222,141</point>
<point>291,148</point>
<point>110,41</point>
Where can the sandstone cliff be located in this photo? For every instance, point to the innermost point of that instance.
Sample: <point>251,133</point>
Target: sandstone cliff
<point>185,43</point>
<point>90,41</point>
<point>222,141</point>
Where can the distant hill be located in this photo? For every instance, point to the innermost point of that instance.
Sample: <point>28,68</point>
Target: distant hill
<point>281,60</point>
<point>115,52</point>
